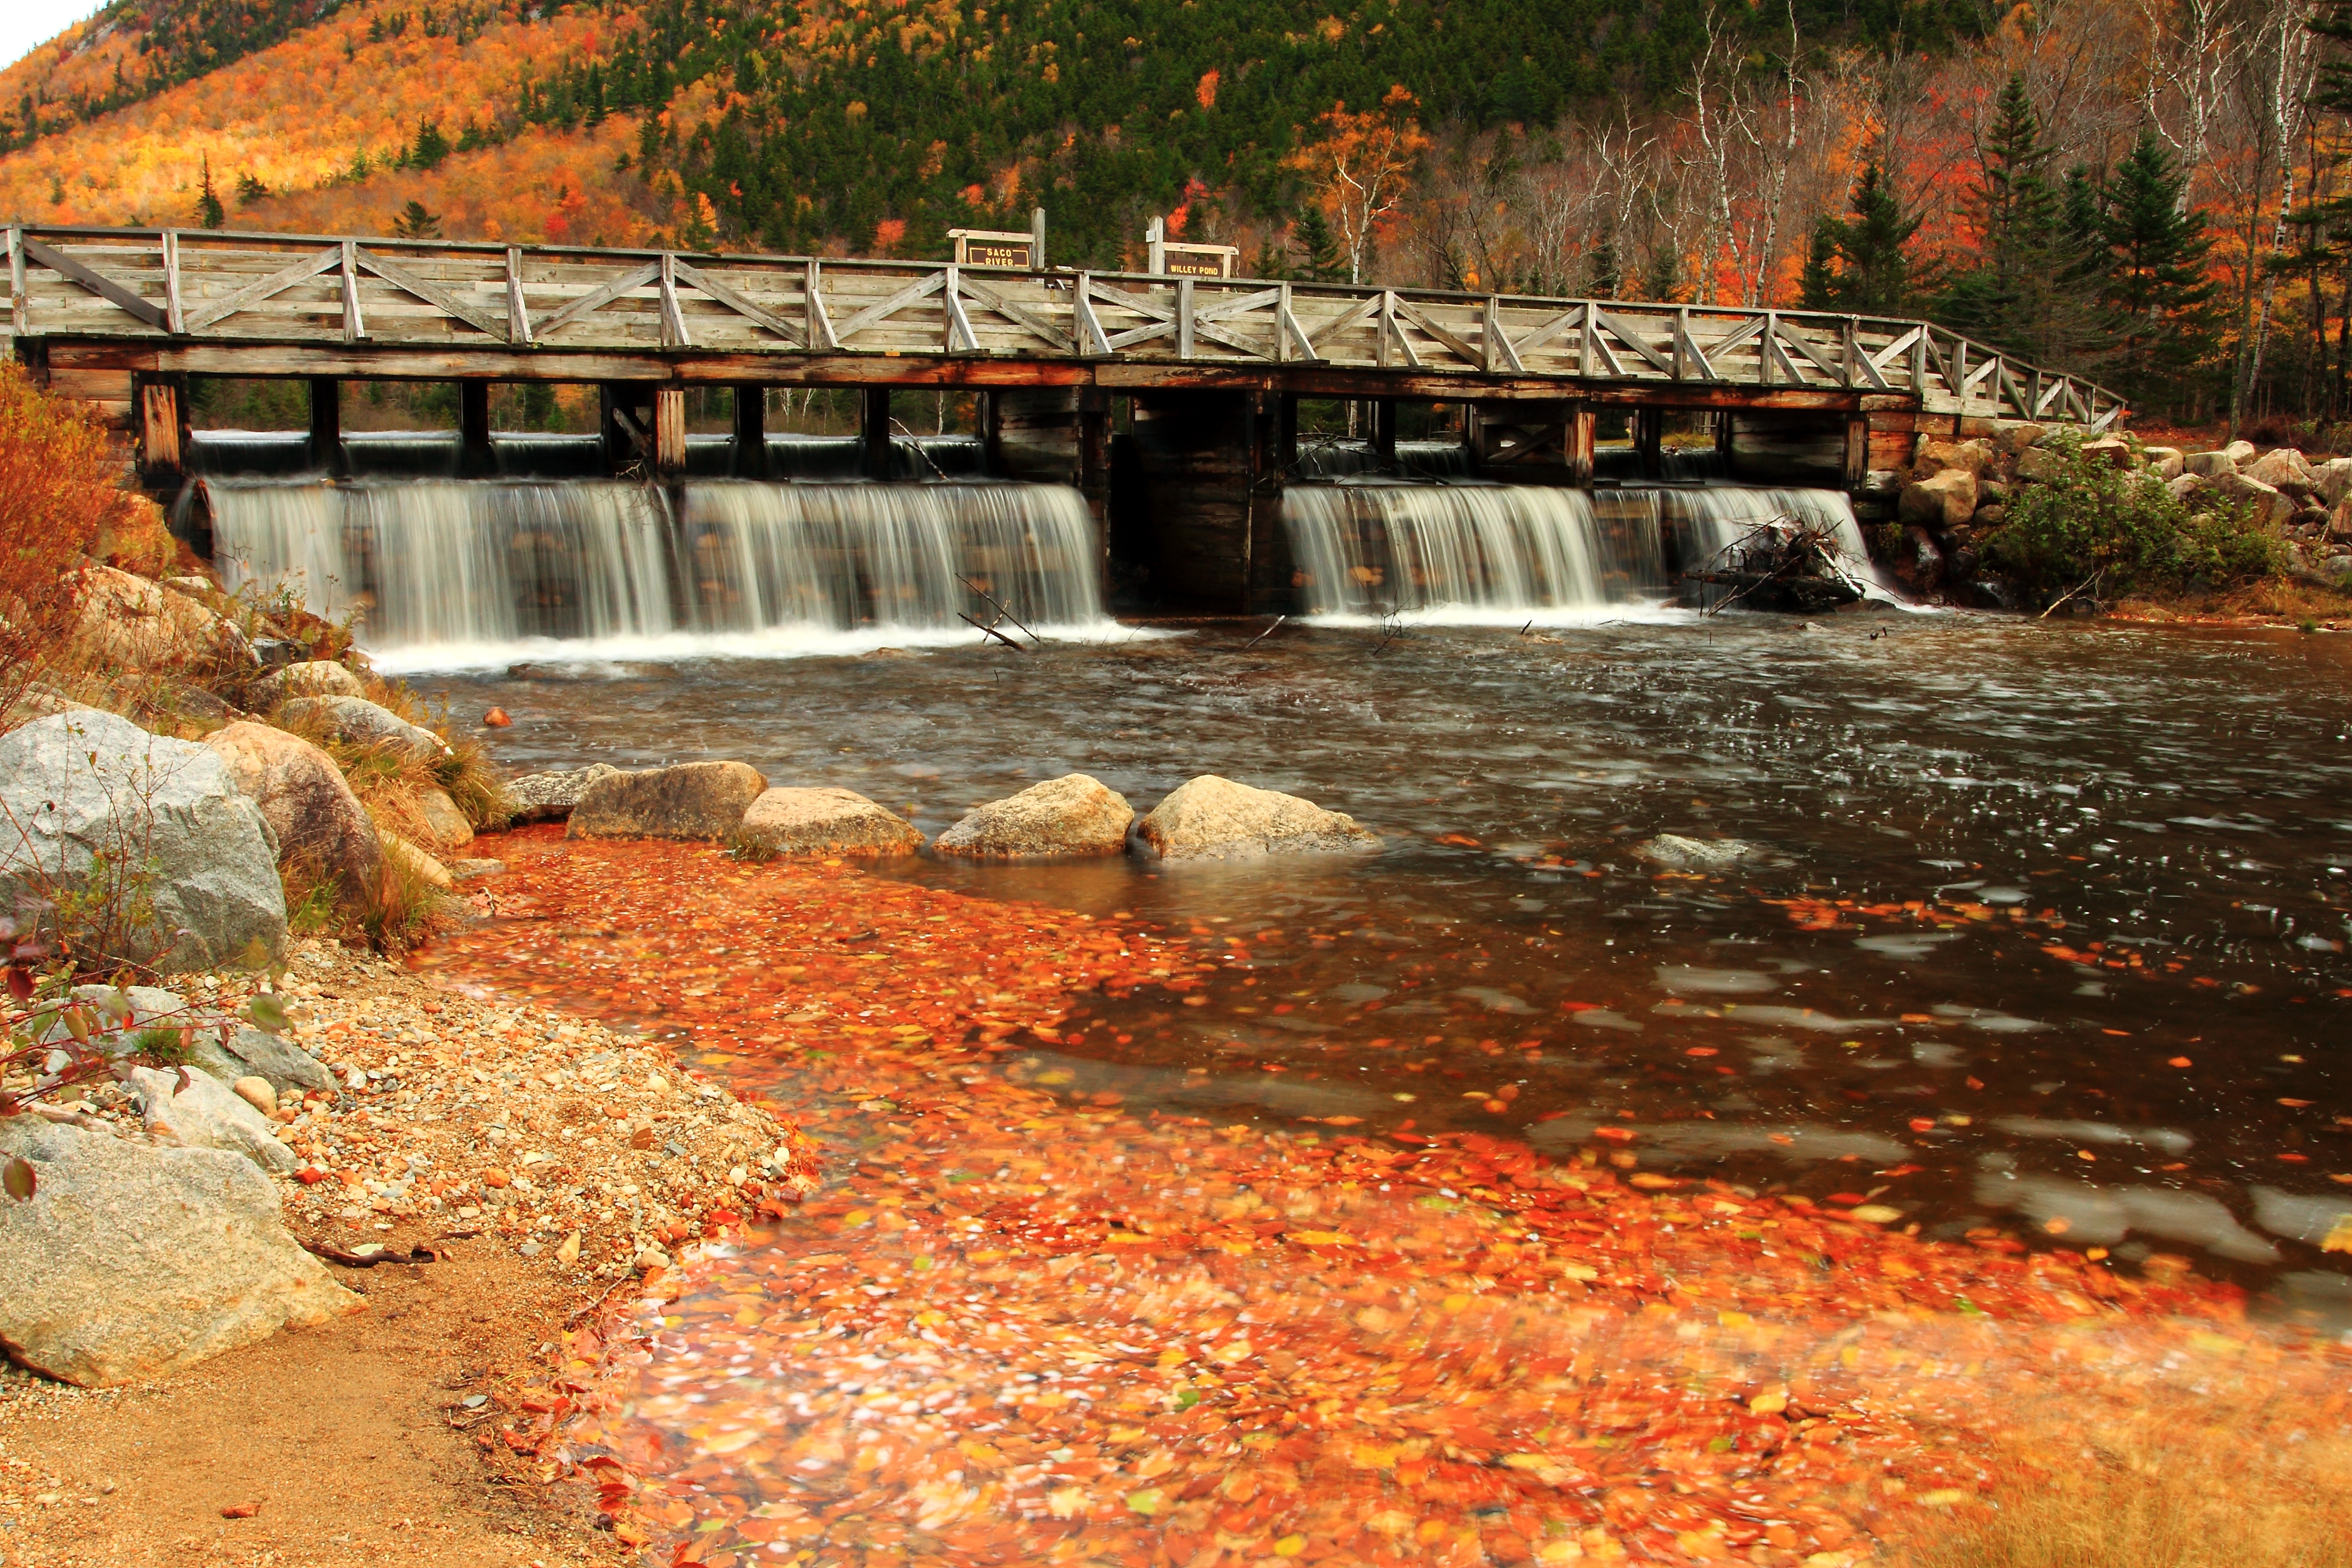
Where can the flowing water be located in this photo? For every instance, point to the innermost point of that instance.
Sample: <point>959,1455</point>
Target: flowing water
<point>2036,919</point>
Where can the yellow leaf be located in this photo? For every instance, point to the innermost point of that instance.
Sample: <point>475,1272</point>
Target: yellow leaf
<point>1320,1238</point>
<point>1148,1501</point>
<point>1769,1403</point>
<point>1875,1213</point>
<point>1291,1546</point>
<point>2339,1235</point>
<point>1375,1456</point>
<point>1944,1497</point>
<point>1526,1461</point>
<point>986,1454</point>
<point>1159,1464</point>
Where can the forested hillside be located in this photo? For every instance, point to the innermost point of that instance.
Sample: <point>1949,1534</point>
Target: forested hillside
<point>2143,190</point>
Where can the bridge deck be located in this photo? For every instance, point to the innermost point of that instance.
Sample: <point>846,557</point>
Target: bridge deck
<point>163,302</point>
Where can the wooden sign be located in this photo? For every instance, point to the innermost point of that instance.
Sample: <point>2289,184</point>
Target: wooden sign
<point>990,247</point>
<point>1168,258</point>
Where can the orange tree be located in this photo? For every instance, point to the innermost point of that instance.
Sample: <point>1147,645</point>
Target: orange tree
<point>58,493</point>
<point>1358,167</point>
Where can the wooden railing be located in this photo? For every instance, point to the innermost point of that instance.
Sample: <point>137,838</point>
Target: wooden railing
<point>445,298</point>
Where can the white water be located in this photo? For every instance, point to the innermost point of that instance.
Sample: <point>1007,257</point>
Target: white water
<point>448,574</point>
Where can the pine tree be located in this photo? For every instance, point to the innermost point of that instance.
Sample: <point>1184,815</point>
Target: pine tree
<point>209,211</point>
<point>1603,269</point>
<point>1316,249</point>
<point>430,146</point>
<point>415,222</point>
<point>2028,294</point>
<point>249,189</point>
<point>1859,264</point>
<point>2155,277</point>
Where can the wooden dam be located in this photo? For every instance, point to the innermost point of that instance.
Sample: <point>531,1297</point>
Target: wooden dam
<point>1203,374</point>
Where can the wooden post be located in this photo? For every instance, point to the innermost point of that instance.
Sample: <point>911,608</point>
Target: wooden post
<point>669,431</point>
<point>1037,240</point>
<point>1857,450</point>
<point>1580,423</point>
<point>1384,423</point>
<point>1268,423</point>
<point>876,430</point>
<point>1094,469</point>
<point>1286,453</point>
<point>161,429</point>
<point>327,424</point>
<point>1649,439</point>
<point>474,456</point>
<point>749,458</point>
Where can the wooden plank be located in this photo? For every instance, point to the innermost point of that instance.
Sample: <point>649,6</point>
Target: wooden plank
<point>137,305</point>
<point>1567,321</point>
<point>1092,340</point>
<point>598,298</point>
<point>354,319</point>
<point>1020,316</point>
<point>1687,353</point>
<point>1345,321</point>
<point>1413,314</point>
<point>821,335</point>
<point>1628,334</point>
<point>920,290</point>
<point>1790,338</point>
<point>674,332</point>
<point>1289,334</point>
<point>19,305</point>
<point>433,294</point>
<point>1184,318</point>
<point>175,317</point>
<point>956,324</point>
<point>518,309</point>
<point>211,312</point>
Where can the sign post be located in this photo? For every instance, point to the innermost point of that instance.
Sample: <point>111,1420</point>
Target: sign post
<point>1174,259</point>
<point>1002,248</point>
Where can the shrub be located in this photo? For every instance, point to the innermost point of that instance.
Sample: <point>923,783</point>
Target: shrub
<point>60,491</point>
<point>2091,520</point>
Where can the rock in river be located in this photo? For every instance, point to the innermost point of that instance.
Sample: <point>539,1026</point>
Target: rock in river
<point>692,800</point>
<point>1677,853</point>
<point>1070,815</point>
<point>1213,818</point>
<point>551,798</point>
<point>130,1262</point>
<point>88,792</point>
<point>822,822</point>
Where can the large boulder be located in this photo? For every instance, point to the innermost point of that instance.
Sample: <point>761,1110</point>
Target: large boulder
<point>444,824</point>
<point>126,1013</point>
<point>153,832</point>
<point>2239,452</point>
<point>2041,465</point>
<point>551,798</point>
<point>2334,481</point>
<point>129,1262</point>
<point>1945,500</point>
<point>1070,815</point>
<point>2011,437</point>
<point>425,866</point>
<point>2284,469</point>
<point>318,678</point>
<point>2209,465</point>
<point>1212,818</point>
<point>132,623</point>
<point>822,822</point>
<point>317,819</point>
<point>2262,503</point>
<point>356,721</point>
<point>1934,455</point>
<point>692,800</point>
<point>2111,450</point>
<point>2167,463</point>
<point>204,1114</point>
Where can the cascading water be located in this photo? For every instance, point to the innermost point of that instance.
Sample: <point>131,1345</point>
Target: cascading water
<point>446,572</point>
<point>1340,459</point>
<point>1464,551</point>
<point>1701,522</point>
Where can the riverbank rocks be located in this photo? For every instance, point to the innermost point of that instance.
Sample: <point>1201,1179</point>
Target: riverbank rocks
<point>2209,465</point>
<point>2284,469</point>
<point>155,829</point>
<point>1065,818</point>
<point>318,678</point>
<point>203,1112</point>
<point>447,826</point>
<point>2265,503</point>
<point>132,1262</point>
<point>551,798</point>
<point>132,623</point>
<point>303,794</point>
<point>1945,500</point>
<point>692,800</point>
<point>356,721</point>
<point>1677,853</point>
<point>1213,818</point>
<point>416,862</point>
<point>822,822</point>
<point>124,1012</point>
<point>2011,437</point>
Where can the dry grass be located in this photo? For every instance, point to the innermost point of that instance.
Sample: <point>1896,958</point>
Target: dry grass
<point>399,907</point>
<point>2204,1486</point>
<point>2275,601</point>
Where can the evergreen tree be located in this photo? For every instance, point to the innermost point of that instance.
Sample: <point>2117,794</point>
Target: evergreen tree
<point>430,146</point>
<point>249,189</point>
<point>1604,270</point>
<point>209,211</point>
<point>1858,264</point>
<point>415,222</point>
<point>2155,277</point>
<point>1316,249</point>
<point>2027,294</point>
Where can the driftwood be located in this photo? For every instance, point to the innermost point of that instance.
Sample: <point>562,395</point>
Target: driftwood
<point>991,631</point>
<point>334,1254</point>
<point>1783,565</point>
<point>1265,633</point>
<point>1000,608</point>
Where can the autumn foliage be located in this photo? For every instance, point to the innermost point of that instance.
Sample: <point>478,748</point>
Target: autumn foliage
<point>59,496</point>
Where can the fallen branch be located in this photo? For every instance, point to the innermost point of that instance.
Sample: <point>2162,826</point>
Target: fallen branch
<point>1265,633</point>
<point>334,1254</point>
<point>2072,591</point>
<point>1000,609</point>
<point>991,631</point>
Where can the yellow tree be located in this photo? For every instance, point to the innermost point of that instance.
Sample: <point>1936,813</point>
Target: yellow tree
<point>1359,165</point>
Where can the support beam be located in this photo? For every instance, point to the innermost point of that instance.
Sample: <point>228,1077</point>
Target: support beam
<point>326,426</point>
<point>1649,440</point>
<point>1580,423</point>
<point>475,457</point>
<point>1287,454</point>
<point>1271,426</point>
<point>1857,450</point>
<point>669,432</point>
<point>160,411</point>
<point>874,427</point>
<point>749,459</point>
<point>1094,467</point>
<point>1384,426</point>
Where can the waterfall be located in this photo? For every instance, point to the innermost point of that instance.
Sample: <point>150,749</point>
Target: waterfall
<point>1470,551</point>
<point>442,572</point>
<point>1703,520</point>
<point>1340,458</point>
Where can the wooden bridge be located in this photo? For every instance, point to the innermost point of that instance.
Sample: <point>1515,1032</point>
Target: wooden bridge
<point>1212,369</point>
